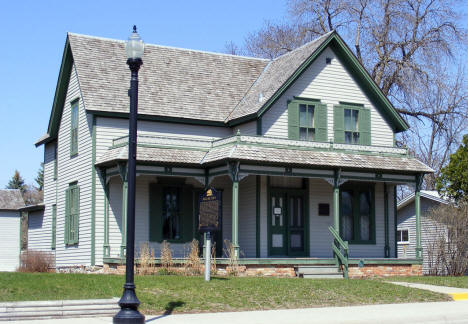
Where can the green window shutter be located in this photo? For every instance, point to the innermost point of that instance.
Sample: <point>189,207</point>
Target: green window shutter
<point>321,129</point>
<point>155,211</point>
<point>364,127</point>
<point>338,124</point>
<point>76,215</point>
<point>67,216</point>
<point>293,120</point>
<point>186,214</point>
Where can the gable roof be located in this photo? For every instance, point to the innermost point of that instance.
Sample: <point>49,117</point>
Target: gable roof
<point>194,86</point>
<point>427,194</point>
<point>11,199</point>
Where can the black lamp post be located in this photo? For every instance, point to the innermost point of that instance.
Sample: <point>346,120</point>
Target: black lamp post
<point>129,302</point>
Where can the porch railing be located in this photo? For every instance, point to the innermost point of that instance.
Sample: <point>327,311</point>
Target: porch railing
<point>339,245</point>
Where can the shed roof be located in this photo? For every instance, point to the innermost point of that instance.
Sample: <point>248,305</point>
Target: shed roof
<point>427,194</point>
<point>11,199</point>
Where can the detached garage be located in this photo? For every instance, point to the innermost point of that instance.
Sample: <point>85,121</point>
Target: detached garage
<point>11,201</point>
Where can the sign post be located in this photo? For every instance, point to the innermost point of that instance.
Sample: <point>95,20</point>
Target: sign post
<point>208,221</point>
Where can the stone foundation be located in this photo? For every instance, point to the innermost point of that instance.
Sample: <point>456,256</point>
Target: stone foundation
<point>285,271</point>
<point>384,270</point>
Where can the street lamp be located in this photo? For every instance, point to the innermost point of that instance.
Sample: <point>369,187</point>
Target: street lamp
<point>129,302</point>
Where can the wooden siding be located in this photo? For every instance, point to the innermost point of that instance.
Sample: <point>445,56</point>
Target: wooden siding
<point>9,232</point>
<point>406,219</point>
<point>249,128</point>
<point>50,199</point>
<point>320,192</point>
<point>74,169</point>
<point>331,84</point>
<point>39,231</point>
<point>247,217</point>
<point>263,217</point>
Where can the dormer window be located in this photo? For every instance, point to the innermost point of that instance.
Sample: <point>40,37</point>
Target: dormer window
<point>307,120</point>
<point>352,124</point>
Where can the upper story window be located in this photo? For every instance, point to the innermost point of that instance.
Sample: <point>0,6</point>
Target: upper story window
<point>352,124</point>
<point>74,128</point>
<point>307,120</point>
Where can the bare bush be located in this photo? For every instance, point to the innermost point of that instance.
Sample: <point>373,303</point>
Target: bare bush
<point>146,259</point>
<point>193,264</point>
<point>233,264</point>
<point>36,261</point>
<point>166,255</point>
<point>214,268</point>
<point>447,249</point>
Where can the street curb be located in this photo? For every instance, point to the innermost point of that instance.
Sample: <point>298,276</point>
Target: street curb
<point>459,296</point>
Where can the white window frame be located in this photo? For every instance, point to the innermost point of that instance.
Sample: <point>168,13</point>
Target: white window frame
<point>403,242</point>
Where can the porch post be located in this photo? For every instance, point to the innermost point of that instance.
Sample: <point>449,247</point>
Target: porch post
<point>124,218</point>
<point>106,246</point>
<point>417,207</point>
<point>123,176</point>
<point>387,244</point>
<point>336,201</point>
<point>234,168</point>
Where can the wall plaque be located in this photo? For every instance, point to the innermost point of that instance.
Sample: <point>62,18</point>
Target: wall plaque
<point>210,211</point>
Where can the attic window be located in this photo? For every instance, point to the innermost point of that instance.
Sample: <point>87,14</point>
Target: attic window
<point>328,60</point>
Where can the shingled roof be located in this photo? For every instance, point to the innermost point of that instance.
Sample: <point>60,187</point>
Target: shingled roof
<point>11,199</point>
<point>174,82</point>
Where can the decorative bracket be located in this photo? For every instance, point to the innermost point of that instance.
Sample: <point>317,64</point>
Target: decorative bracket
<point>122,170</point>
<point>337,180</point>
<point>234,171</point>
<point>419,181</point>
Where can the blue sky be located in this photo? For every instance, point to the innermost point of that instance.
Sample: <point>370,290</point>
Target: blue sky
<point>33,37</point>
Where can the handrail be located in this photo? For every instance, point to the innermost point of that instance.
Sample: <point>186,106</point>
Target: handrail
<point>337,245</point>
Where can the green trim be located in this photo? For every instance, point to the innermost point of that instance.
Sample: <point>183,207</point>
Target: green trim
<point>353,104</point>
<point>74,148</point>
<point>307,99</point>
<point>386,219</point>
<point>123,244</point>
<point>259,126</point>
<point>177,120</point>
<point>258,184</point>
<point>93,193</point>
<point>106,246</point>
<point>417,207</point>
<point>395,219</point>
<point>235,216</point>
<point>53,243</point>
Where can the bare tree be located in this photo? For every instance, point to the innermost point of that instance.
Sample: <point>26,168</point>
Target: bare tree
<point>232,48</point>
<point>401,43</point>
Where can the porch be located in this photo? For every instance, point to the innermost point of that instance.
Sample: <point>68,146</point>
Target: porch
<point>284,202</point>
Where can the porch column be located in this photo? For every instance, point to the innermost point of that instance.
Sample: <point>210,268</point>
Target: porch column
<point>106,246</point>
<point>123,175</point>
<point>387,244</point>
<point>417,207</point>
<point>234,171</point>
<point>336,201</point>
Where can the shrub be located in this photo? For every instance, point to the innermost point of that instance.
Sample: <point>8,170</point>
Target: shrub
<point>146,259</point>
<point>36,261</point>
<point>193,265</point>
<point>166,255</point>
<point>233,267</point>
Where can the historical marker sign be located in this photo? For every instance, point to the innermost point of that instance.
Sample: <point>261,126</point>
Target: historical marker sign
<point>209,214</point>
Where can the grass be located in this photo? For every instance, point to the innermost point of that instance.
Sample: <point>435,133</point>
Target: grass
<point>160,294</point>
<point>459,282</point>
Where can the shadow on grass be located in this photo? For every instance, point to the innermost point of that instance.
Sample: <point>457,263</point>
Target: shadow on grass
<point>219,278</point>
<point>168,309</point>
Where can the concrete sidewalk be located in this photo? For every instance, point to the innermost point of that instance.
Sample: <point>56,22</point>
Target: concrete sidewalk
<point>455,293</point>
<point>431,313</point>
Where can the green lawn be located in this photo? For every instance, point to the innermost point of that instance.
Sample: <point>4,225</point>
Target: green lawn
<point>460,282</point>
<point>191,294</point>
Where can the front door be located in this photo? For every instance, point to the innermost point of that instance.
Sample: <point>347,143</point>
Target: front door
<point>287,223</point>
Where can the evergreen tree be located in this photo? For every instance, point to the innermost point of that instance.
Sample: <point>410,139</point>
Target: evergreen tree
<point>40,178</point>
<point>17,182</point>
<point>453,179</point>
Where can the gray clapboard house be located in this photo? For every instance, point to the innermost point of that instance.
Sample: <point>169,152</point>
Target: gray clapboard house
<point>11,201</point>
<point>406,225</point>
<point>302,148</point>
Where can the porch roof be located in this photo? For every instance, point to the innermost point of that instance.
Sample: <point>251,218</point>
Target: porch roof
<point>264,150</point>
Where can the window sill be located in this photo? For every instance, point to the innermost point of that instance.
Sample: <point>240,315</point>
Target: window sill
<point>403,243</point>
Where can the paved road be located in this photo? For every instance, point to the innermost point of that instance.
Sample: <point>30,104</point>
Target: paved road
<point>429,313</point>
